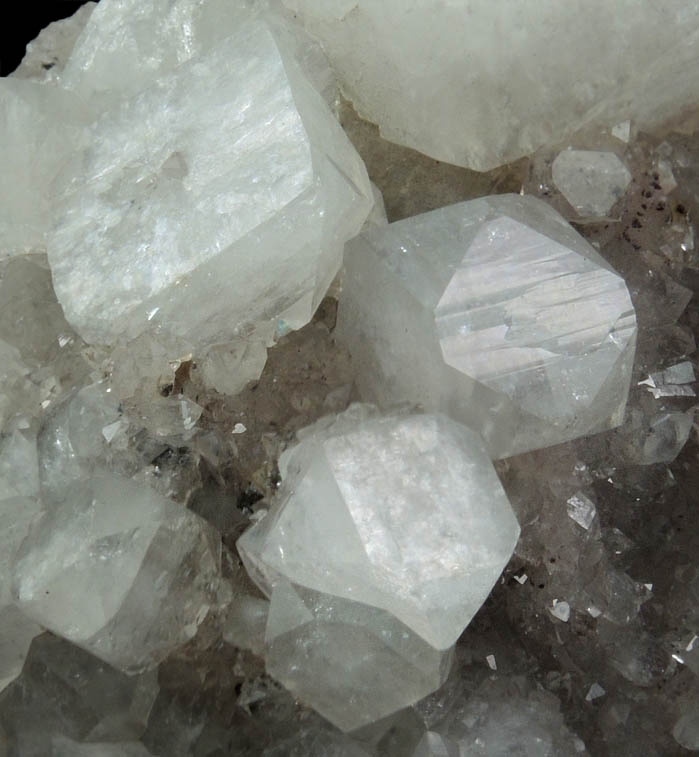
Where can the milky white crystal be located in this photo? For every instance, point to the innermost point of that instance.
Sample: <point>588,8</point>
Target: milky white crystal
<point>402,513</point>
<point>496,312</point>
<point>216,189</point>
<point>440,78</point>
<point>591,181</point>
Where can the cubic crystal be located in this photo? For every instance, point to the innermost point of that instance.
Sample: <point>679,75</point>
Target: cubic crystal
<point>496,312</point>
<point>592,182</point>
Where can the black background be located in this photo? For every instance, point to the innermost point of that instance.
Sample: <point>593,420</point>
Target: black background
<point>22,23</point>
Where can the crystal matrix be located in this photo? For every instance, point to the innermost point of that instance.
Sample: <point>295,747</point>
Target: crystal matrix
<point>496,312</point>
<point>214,196</point>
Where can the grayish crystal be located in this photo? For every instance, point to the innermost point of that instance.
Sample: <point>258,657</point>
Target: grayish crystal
<point>496,312</point>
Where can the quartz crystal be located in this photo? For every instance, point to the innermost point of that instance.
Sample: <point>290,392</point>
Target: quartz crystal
<point>496,312</point>
<point>592,182</point>
<point>386,538</point>
<point>216,189</point>
<point>440,80</point>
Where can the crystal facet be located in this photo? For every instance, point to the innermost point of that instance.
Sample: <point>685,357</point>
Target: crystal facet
<point>390,523</point>
<point>496,312</point>
<point>592,182</point>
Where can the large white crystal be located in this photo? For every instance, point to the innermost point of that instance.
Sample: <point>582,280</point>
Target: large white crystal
<point>403,513</point>
<point>496,312</point>
<point>478,83</point>
<point>119,570</point>
<point>217,190</point>
<point>387,536</point>
<point>591,181</point>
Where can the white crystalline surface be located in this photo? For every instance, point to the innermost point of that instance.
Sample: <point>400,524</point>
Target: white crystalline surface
<point>401,513</point>
<point>213,191</point>
<point>496,312</point>
<point>388,534</point>
<point>591,181</point>
<point>438,78</point>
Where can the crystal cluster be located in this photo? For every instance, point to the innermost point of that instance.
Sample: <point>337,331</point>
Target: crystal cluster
<point>402,65</point>
<point>207,546</point>
<point>496,312</point>
<point>393,525</point>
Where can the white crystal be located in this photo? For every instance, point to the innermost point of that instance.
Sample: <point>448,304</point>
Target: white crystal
<point>351,662</point>
<point>581,509</point>
<point>496,312</point>
<point>109,569</point>
<point>404,513</point>
<point>680,373</point>
<point>387,535</point>
<point>560,610</point>
<point>594,692</point>
<point>211,235</point>
<point>492,664</point>
<point>438,78</point>
<point>592,182</point>
<point>622,131</point>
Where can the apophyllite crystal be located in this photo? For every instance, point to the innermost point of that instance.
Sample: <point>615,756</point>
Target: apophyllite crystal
<point>206,190</point>
<point>385,540</point>
<point>496,312</point>
<point>438,78</point>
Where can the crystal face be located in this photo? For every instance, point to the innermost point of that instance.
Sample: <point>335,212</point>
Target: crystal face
<point>220,183</point>
<point>402,65</point>
<point>591,181</point>
<point>496,312</point>
<point>391,525</point>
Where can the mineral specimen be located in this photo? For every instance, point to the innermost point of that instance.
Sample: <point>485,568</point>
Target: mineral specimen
<point>592,182</point>
<point>395,523</point>
<point>117,569</point>
<point>174,167</point>
<point>495,312</point>
<point>439,79</point>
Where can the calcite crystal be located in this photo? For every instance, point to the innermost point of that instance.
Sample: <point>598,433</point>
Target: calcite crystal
<point>391,524</point>
<point>439,79</point>
<point>592,181</point>
<point>496,312</point>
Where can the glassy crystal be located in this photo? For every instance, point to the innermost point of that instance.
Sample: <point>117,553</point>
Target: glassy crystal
<point>119,570</point>
<point>229,186</point>
<point>64,693</point>
<point>354,501</point>
<point>353,663</point>
<point>496,312</point>
<point>592,182</point>
<point>387,536</point>
<point>564,66</point>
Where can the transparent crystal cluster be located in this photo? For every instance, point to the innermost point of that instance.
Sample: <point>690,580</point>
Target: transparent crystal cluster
<point>205,548</point>
<point>496,312</point>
